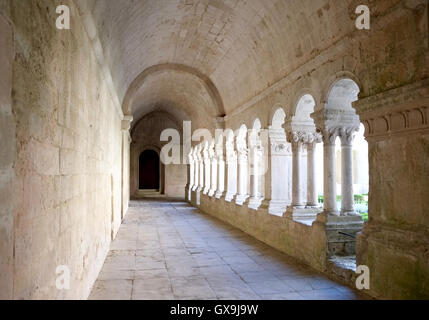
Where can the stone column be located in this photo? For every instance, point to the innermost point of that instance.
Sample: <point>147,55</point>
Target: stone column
<point>201,162</point>
<point>347,195</point>
<point>196,169</point>
<point>312,201</point>
<point>230,171</point>
<point>255,172</point>
<point>220,170</point>
<point>243,171</point>
<point>297,146</point>
<point>207,168</point>
<point>190,169</point>
<point>213,180</point>
<point>329,175</point>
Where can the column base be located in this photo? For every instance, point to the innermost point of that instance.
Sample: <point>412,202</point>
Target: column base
<point>255,202</point>
<point>206,191</point>
<point>306,215</point>
<point>345,212</point>
<point>219,194</point>
<point>277,207</point>
<point>229,197</point>
<point>241,198</point>
<point>211,193</point>
<point>340,232</point>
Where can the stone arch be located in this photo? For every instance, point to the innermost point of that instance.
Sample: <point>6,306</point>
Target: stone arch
<point>173,67</point>
<point>344,126</point>
<point>278,118</point>
<point>331,81</point>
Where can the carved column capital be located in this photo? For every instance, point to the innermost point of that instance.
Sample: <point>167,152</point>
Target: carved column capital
<point>347,135</point>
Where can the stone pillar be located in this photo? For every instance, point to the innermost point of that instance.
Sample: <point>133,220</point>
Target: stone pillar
<point>196,168</point>
<point>255,172</point>
<point>207,168</point>
<point>214,178</point>
<point>329,175</point>
<point>277,176</point>
<point>125,181</point>
<point>201,165</point>
<point>347,195</point>
<point>190,172</point>
<point>243,170</point>
<point>230,170</point>
<point>312,200</point>
<point>220,170</point>
<point>297,181</point>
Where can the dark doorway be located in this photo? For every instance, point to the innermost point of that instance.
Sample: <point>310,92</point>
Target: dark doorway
<point>149,170</point>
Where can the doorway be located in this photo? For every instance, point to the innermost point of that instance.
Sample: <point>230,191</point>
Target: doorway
<point>149,176</point>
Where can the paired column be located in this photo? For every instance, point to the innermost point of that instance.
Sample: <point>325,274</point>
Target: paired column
<point>329,174</point>
<point>243,170</point>
<point>347,195</point>
<point>255,171</point>
<point>207,167</point>
<point>230,170</point>
<point>297,181</point>
<point>196,168</point>
<point>190,169</point>
<point>312,196</point>
<point>220,169</point>
<point>214,178</point>
<point>201,167</point>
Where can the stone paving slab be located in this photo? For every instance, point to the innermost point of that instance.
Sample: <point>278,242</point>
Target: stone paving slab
<point>169,250</point>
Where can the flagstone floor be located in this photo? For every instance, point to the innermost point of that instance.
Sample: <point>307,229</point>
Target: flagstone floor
<point>167,249</point>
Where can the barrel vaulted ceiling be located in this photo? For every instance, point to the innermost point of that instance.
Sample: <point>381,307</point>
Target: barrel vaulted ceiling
<point>208,57</point>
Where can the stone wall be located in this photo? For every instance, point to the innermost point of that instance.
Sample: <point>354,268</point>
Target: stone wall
<point>395,242</point>
<point>7,160</point>
<point>67,155</point>
<point>304,242</point>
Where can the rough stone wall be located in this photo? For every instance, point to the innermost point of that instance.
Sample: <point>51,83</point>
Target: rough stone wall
<point>397,231</point>
<point>7,160</point>
<point>68,155</point>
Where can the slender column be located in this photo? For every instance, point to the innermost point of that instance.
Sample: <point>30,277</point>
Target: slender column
<point>347,196</point>
<point>297,199</point>
<point>213,180</point>
<point>329,175</point>
<point>220,170</point>
<point>230,171</point>
<point>312,201</point>
<point>255,195</point>
<point>201,162</point>
<point>207,168</point>
<point>190,169</point>
<point>243,171</point>
<point>196,169</point>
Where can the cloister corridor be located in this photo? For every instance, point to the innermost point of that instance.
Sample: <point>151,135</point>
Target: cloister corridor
<point>170,250</point>
<point>214,149</point>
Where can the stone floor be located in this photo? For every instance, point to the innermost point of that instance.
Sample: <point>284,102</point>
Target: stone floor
<point>169,250</point>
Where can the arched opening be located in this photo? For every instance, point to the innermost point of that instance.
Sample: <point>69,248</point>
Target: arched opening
<point>278,180</point>
<point>305,159</point>
<point>256,170</point>
<point>149,170</point>
<point>352,179</point>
